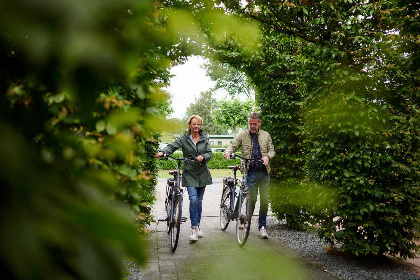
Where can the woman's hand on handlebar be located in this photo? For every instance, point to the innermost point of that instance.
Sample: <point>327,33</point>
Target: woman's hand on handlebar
<point>159,154</point>
<point>226,155</point>
<point>199,158</point>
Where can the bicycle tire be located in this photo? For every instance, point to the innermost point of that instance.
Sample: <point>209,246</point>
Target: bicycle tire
<point>168,207</point>
<point>176,222</point>
<point>243,223</point>
<point>225,205</point>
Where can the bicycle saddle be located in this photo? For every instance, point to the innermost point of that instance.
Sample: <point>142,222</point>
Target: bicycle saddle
<point>234,167</point>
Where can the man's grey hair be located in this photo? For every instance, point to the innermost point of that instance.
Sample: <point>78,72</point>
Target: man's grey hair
<point>254,115</point>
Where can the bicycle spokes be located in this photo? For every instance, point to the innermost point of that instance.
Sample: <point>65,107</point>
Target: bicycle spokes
<point>243,223</point>
<point>225,206</point>
<point>176,222</point>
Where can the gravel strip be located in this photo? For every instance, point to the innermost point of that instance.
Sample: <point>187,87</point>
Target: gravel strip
<point>308,245</point>
<point>131,270</point>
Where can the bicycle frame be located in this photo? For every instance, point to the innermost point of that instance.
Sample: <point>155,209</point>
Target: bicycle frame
<point>235,211</point>
<point>174,197</point>
<point>241,183</point>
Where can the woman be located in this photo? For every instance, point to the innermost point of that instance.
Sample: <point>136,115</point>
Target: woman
<point>194,144</point>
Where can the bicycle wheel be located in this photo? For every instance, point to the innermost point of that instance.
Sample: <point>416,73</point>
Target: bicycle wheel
<point>176,222</point>
<point>225,204</point>
<point>168,207</point>
<point>243,223</point>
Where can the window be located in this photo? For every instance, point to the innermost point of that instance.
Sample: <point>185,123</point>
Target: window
<point>219,143</point>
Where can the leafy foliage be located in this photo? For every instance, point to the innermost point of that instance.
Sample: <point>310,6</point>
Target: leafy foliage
<point>204,106</point>
<point>233,114</point>
<point>338,90</point>
<point>78,113</point>
<point>236,83</point>
<point>216,162</point>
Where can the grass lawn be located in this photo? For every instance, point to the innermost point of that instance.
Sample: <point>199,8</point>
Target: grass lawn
<point>215,173</point>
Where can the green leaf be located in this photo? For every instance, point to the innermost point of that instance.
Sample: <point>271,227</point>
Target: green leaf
<point>58,98</point>
<point>140,93</point>
<point>111,129</point>
<point>100,125</point>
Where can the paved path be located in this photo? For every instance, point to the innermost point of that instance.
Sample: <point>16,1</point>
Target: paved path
<point>216,255</point>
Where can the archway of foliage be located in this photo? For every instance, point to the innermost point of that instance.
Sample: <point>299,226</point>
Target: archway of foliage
<point>338,88</point>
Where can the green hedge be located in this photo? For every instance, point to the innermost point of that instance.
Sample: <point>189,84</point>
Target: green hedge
<point>347,140</point>
<point>217,162</point>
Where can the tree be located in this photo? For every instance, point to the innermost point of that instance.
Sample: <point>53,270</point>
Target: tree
<point>233,114</point>
<point>333,101</point>
<point>205,106</point>
<point>236,83</point>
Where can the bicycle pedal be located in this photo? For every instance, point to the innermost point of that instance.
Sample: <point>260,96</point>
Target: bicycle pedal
<point>162,220</point>
<point>183,219</point>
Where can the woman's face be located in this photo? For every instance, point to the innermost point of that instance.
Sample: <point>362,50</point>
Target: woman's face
<point>195,125</point>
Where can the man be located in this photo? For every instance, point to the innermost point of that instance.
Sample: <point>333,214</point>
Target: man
<point>256,143</point>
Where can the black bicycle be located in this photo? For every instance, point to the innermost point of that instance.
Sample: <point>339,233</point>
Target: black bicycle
<point>173,202</point>
<point>235,190</point>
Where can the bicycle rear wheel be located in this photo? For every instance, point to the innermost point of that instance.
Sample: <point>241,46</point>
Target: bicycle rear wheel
<point>176,222</point>
<point>243,223</point>
<point>225,206</point>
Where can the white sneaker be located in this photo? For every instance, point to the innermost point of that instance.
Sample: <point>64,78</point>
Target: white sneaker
<point>193,236</point>
<point>199,233</point>
<point>263,233</point>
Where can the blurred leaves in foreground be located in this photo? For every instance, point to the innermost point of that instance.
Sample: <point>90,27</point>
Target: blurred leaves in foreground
<point>81,109</point>
<point>79,82</point>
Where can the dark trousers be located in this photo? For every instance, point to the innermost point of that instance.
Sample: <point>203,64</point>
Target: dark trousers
<point>260,182</point>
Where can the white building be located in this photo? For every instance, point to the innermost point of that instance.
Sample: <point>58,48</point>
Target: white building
<point>220,140</point>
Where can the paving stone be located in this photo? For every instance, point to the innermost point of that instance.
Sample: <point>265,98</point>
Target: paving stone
<point>217,255</point>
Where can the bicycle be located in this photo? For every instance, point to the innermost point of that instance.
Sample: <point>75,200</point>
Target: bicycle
<point>173,202</point>
<point>242,212</point>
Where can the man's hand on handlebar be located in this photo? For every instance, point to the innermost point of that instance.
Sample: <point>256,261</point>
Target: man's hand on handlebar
<point>226,155</point>
<point>199,158</point>
<point>159,154</point>
<point>265,160</point>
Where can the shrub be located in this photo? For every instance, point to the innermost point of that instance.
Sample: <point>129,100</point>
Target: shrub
<point>216,162</point>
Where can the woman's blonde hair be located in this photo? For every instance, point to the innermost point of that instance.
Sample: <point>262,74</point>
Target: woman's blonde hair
<point>194,117</point>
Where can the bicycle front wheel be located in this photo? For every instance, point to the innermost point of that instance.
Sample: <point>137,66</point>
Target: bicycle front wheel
<point>176,222</point>
<point>168,206</point>
<point>225,205</point>
<point>243,223</point>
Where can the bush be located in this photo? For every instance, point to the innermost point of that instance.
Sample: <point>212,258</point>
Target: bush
<point>368,154</point>
<point>216,162</point>
<point>301,204</point>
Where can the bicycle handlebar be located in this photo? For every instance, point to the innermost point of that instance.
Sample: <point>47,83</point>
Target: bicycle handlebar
<point>166,156</point>
<point>233,156</point>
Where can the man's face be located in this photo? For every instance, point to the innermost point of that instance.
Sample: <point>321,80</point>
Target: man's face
<point>254,124</point>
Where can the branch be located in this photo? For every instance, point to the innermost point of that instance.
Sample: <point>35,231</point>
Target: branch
<point>300,34</point>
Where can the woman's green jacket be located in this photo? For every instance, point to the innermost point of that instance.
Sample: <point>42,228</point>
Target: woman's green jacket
<point>195,174</point>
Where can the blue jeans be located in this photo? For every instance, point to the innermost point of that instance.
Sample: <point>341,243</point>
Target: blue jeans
<point>260,182</point>
<point>196,204</point>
